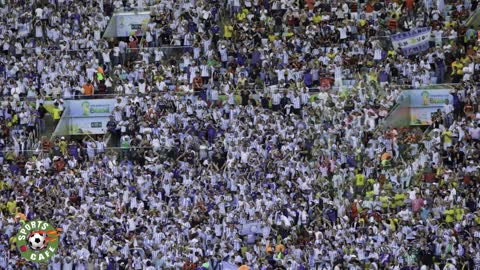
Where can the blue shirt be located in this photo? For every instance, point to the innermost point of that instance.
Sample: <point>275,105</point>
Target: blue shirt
<point>215,29</point>
<point>255,57</point>
<point>211,132</point>
<point>240,59</point>
<point>456,101</point>
<point>307,77</point>
<point>14,168</point>
<point>351,161</point>
<point>192,27</point>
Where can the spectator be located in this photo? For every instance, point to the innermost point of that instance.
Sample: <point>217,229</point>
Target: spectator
<point>289,184</point>
<point>88,89</point>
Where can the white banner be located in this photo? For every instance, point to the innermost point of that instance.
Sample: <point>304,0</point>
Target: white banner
<point>412,42</point>
<point>85,116</point>
<point>68,126</point>
<point>129,24</point>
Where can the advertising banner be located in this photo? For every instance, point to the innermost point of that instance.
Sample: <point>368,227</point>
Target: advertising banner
<point>421,116</point>
<point>129,24</point>
<point>90,107</point>
<point>415,107</point>
<point>412,42</point>
<point>424,102</point>
<point>87,116</point>
<point>97,125</point>
<point>81,125</point>
<point>429,98</point>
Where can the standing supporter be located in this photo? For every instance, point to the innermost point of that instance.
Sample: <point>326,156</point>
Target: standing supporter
<point>264,179</point>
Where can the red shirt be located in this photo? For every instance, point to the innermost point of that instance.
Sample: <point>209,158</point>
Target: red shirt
<point>310,4</point>
<point>197,83</point>
<point>417,204</point>
<point>133,44</point>
<point>409,4</point>
<point>369,8</point>
<point>326,83</point>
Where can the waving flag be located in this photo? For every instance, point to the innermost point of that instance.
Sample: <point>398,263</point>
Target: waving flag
<point>412,42</point>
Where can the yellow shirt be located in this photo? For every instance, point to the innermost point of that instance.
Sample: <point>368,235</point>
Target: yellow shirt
<point>344,94</point>
<point>457,67</point>
<point>369,194</point>
<point>450,24</point>
<point>388,186</point>
<point>56,113</point>
<point>63,147</point>
<point>477,220</point>
<point>9,156</point>
<point>241,16</point>
<point>449,215</point>
<point>372,77</point>
<point>317,19</point>
<point>241,81</point>
<point>384,200</point>
<point>360,179</point>
<point>459,212</point>
<point>447,136</point>
<point>13,121</point>
<point>440,172</point>
<point>393,224</point>
<point>12,207</point>
<point>13,241</point>
<point>227,31</point>
<point>399,198</point>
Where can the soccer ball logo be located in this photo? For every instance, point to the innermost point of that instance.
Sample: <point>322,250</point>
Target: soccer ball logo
<point>37,241</point>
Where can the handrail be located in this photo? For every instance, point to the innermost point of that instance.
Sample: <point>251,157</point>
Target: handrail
<point>394,107</point>
<point>101,50</point>
<point>312,90</point>
<point>105,149</point>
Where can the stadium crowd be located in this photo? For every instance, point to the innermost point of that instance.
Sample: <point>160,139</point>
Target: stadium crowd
<point>226,158</point>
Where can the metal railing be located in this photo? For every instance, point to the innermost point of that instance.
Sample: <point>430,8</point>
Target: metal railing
<point>104,49</point>
<point>82,150</point>
<point>250,87</point>
<point>381,125</point>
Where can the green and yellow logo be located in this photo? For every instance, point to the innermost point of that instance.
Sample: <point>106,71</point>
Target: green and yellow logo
<point>37,241</point>
<point>95,108</point>
<point>100,109</point>
<point>86,107</point>
<point>425,95</point>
